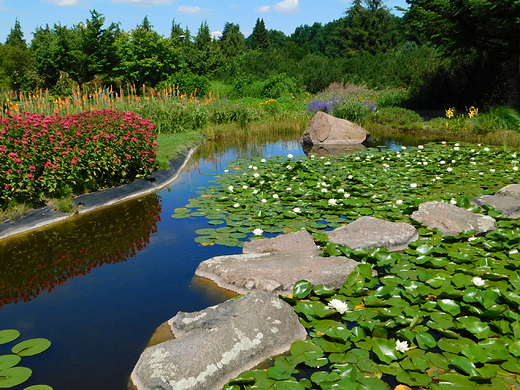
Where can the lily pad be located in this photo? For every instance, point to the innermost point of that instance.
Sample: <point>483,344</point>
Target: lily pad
<point>31,347</point>
<point>8,335</point>
<point>14,376</point>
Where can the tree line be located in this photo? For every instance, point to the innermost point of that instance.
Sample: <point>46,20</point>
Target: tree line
<point>446,52</point>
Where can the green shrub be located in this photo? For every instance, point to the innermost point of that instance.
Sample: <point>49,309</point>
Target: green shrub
<point>272,88</point>
<point>353,110</point>
<point>187,83</point>
<point>396,116</point>
<point>498,118</point>
<point>176,117</point>
<point>227,112</point>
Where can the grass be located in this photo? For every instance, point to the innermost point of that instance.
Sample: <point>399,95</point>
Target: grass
<point>169,146</point>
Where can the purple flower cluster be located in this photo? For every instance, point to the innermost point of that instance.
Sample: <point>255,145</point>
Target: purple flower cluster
<point>323,105</point>
<point>371,106</point>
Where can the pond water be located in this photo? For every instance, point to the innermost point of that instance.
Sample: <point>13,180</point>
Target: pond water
<point>99,284</point>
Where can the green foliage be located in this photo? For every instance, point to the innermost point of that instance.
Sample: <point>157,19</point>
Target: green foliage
<point>353,110</point>
<point>175,117</point>
<point>285,194</point>
<point>274,87</point>
<point>498,118</point>
<point>186,82</point>
<point>223,112</point>
<point>12,375</point>
<point>396,117</point>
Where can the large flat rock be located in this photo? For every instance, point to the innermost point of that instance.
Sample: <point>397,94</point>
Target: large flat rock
<point>327,129</point>
<point>508,206</point>
<point>512,190</point>
<point>216,344</point>
<point>274,272</point>
<point>451,220</point>
<point>298,242</point>
<point>370,233</point>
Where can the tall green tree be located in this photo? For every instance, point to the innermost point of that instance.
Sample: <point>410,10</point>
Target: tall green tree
<point>15,36</point>
<point>466,26</point>
<point>232,40</point>
<point>259,38</point>
<point>369,27</point>
<point>94,48</point>
<point>146,57</point>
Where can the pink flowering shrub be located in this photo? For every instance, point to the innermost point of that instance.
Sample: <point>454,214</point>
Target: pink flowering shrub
<point>51,156</point>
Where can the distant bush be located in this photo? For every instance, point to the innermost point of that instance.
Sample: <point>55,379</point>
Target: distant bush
<point>353,110</point>
<point>498,118</point>
<point>187,83</point>
<point>324,105</point>
<point>175,117</point>
<point>396,116</point>
<point>272,88</point>
<point>223,112</point>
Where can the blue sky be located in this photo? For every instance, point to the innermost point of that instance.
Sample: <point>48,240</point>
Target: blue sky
<point>283,15</point>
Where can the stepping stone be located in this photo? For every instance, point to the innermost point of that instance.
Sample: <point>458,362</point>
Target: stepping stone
<point>508,206</point>
<point>370,233</point>
<point>451,220</point>
<point>275,272</point>
<point>214,345</point>
<point>298,242</point>
<point>512,190</point>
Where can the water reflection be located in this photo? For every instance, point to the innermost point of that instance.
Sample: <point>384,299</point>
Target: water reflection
<point>74,247</point>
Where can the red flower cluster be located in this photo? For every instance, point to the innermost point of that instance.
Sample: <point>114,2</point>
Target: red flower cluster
<point>53,156</point>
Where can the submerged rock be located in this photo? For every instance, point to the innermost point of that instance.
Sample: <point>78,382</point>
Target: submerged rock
<point>508,206</point>
<point>370,233</point>
<point>327,129</point>
<point>275,272</point>
<point>216,344</point>
<point>451,220</point>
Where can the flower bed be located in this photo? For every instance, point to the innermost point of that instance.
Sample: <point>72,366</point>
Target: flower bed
<point>54,156</point>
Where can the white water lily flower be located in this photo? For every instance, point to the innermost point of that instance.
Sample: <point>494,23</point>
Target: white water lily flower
<point>449,169</point>
<point>258,232</point>
<point>261,182</point>
<point>263,160</point>
<point>256,175</point>
<point>250,166</point>
<point>456,148</point>
<point>399,201</point>
<point>275,196</point>
<point>297,210</point>
<point>290,155</point>
<point>324,190</point>
<point>515,168</point>
<point>453,201</point>
<point>226,170</point>
<point>473,162</point>
<point>350,177</point>
<point>255,191</point>
<point>338,305</point>
<point>472,238</point>
<point>403,147</point>
<point>346,195</point>
<point>245,187</point>
<point>230,188</point>
<point>420,147</point>
<point>477,281</point>
<point>442,162</point>
<point>443,142</point>
<point>264,200</point>
<point>413,185</point>
<point>288,189</point>
<point>491,170</point>
<point>401,346</point>
<point>236,205</point>
<point>341,190</point>
<point>255,168</point>
<point>513,155</point>
<point>332,202</point>
<point>456,145</point>
<point>357,158</point>
<point>486,149</point>
<point>481,173</point>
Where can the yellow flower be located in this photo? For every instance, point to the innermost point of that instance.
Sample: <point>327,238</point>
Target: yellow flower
<point>450,112</point>
<point>473,112</point>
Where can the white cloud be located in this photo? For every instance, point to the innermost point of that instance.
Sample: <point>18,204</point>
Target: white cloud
<point>64,3</point>
<point>263,8</point>
<point>216,34</point>
<point>189,10</point>
<point>145,2</point>
<point>287,6</point>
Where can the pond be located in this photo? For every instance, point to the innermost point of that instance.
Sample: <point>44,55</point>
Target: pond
<point>99,284</point>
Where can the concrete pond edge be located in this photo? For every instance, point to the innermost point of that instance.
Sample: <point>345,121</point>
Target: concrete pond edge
<point>45,216</point>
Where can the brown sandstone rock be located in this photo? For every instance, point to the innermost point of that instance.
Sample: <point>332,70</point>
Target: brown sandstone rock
<point>327,129</point>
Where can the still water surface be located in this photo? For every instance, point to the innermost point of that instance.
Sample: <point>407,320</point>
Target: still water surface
<point>99,284</point>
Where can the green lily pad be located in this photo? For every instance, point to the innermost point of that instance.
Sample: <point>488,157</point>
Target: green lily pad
<point>8,335</point>
<point>14,376</point>
<point>31,347</point>
<point>8,361</point>
<point>38,387</point>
